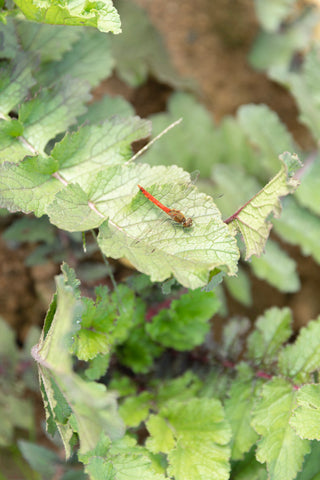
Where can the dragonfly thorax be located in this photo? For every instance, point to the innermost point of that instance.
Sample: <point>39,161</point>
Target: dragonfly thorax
<point>178,217</point>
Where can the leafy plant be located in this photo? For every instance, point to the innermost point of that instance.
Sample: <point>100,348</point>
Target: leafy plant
<point>16,375</point>
<point>288,27</point>
<point>268,399</point>
<point>171,402</point>
<point>85,180</point>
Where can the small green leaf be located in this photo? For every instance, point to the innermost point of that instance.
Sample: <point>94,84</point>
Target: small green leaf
<point>94,147</point>
<point>249,469</point>
<point>9,42</point>
<point>16,412</point>
<point>89,409</point>
<point>161,435</point>
<point>238,406</point>
<point>8,350</point>
<point>24,187</point>
<point>15,82</point>
<point>279,447</point>
<point>277,268</point>
<point>235,185</point>
<point>30,229</point>
<point>121,460</point>
<point>41,459</point>
<point>267,134</point>
<point>182,388</point>
<point>200,436</point>
<point>12,149</point>
<point>306,417</point>
<point>177,145</point>
<point>186,323</point>
<point>310,469</point>
<point>52,111</point>
<point>271,331</point>
<point>306,90</point>
<point>105,108</point>
<point>252,219</point>
<point>239,287</point>
<point>89,344</point>
<point>101,15</point>
<point>49,42</point>
<point>300,360</point>
<point>298,226</point>
<point>304,84</point>
<point>233,336</point>
<point>89,60</point>
<point>104,323</point>
<point>308,192</point>
<point>135,410</point>
<point>134,50</point>
<point>272,13</point>
<point>231,143</point>
<point>139,351</point>
<point>275,50</point>
<point>97,367</point>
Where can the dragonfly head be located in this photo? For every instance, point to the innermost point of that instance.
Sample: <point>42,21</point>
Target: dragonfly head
<point>187,223</point>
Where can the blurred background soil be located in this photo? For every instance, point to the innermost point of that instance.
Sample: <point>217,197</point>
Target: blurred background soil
<point>209,44</point>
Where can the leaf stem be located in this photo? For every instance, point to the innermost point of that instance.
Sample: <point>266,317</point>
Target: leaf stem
<point>143,149</point>
<point>28,145</point>
<point>105,261</point>
<point>61,179</point>
<point>234,215</point>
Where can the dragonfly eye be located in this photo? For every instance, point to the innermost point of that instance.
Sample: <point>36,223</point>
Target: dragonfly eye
<point>188,223</point>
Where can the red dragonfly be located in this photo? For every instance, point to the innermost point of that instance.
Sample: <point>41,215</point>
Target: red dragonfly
<point>176,215</point>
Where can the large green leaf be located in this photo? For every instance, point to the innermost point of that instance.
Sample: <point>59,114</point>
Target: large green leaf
<point>275,50</point>
<point>279,447</point>
<point>272,13</point>
<point>308,193</point>
<point>301,359</point>
<point>298,226</point>
<point>11,149</point>
<point>306,417</point>
<point>89,59</point>
<point>275,266</point>
<point>105,108</point>
<point>9,41</point>
<point>15,82</point>
<point>52,111</point>
<point>266,134</point>
<point>195,436</point>
<point>72,404</point>
<point>80,187</point>
<point>306,89</point>
<point>242,396</point>
<point>32,185</point>
<point>137,231</point>
<point>184,325</point>
<point>252,220</point>
<point>119,460</point>
<point>191,144</point>
<point>49,42</point>
<point>232,143</point>
<point>271,330</point>
<point>100,14</point>
<point>304,85</point>
<point>140,52</point>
